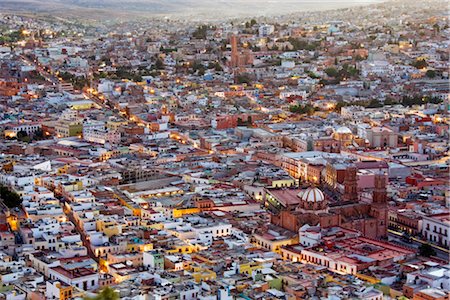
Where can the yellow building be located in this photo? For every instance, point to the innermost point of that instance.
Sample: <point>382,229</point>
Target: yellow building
<point>82,105</point>
<point>179,212</point>
<point>58,290</point>
<point>109,227</point>
<point>67,128</point>
<point>115,124</point>
<point>203,274</point>
<point>70,186</point>
<point>183,247</point>
<point>249,267</point>
<point>136,247</point>
<point>273,244</point>
<point>286,182</point>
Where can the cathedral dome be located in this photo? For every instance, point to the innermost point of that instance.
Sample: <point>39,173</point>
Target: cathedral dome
<point>312,194</point>
<point>343,130</point>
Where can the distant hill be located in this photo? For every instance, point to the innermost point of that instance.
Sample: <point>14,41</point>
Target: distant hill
<point>210,9</point>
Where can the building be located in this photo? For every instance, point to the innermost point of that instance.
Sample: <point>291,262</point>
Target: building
<point>28,128</point>
<point>82,278</point>
<point>58,290</point>
<point>348,255</point>
<point>378,137</point>
<point>99,134</point>
<point>69,124</point>
<point>313,208</point>
<point>266,30</point>
<point>436,229</point>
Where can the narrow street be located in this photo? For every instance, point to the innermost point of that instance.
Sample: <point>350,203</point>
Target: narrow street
<point>84,240</point>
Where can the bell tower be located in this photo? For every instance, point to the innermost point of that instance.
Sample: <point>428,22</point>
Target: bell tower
<point>379,191</point>
<point>234,51</point>
<point>379,210</point>
<point>351,184</point>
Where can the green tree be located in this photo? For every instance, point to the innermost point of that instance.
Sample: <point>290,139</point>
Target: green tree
<point>436,27</point>
<point>420,63</point>
<point>243,78</point>
<point>390,101</point>
<point>332,72</point>
<point>302,109</point>
<point>426,250</point>
<point>38,135</point>
<point>159,64</point>
<point>312,75</point>
<point>340,105</point>
<point>430,73</point>
<point>299,44</point>
<point>374,103</point>
<point>200,32</point>
<point>10,198</point>
<point>106,294</point>
<point>23,136</point>
<point>218,67</point>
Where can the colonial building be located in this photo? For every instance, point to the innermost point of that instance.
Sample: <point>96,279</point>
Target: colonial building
<point>314,209</point>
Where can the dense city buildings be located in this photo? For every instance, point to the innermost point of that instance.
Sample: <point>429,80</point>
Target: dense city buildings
<point>300,156</point>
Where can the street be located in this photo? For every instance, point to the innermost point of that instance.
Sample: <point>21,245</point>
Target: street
<point>396,237</point>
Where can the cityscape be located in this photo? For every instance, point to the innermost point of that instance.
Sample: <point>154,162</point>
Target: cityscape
<point>162,150</point>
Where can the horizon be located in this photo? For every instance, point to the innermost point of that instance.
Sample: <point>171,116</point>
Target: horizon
<point>197,10</point>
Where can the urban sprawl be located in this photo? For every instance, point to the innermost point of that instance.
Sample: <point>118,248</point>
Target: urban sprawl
<point>303,156</point>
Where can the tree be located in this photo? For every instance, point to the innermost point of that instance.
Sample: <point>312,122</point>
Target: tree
<point>332,72</point>
<point>10,198</point>
<point>302,109</point>
<point>420,63</point>
<point>390,101</point>
<point>430,73</point>
<point>106,294</point>
<point>200,32</point>
<point>436,28</point>
<point>159,64</point>
<point>299,44</point>
<point>38,135</point>
<point>218,67</point>
<point>419,100</point>
<point>23,136</point>
<point>426,250</point>
<point>243,78</point>
<point>339,105</point>
<point>374,103</point>
<point>312,75</point>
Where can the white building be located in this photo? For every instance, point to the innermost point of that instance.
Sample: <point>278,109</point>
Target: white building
<point>433,276</point>
<point>266,30</point>
<point>29,128</point>
<point>53,290</point>
<point>99,134</point>
<point>436,229</point>
<point>83,278</point>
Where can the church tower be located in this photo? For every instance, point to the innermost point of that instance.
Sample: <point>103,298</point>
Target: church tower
<point>234,51</point>
<point>378,209</point>
<point>351,184</point>
<point>379,191</point>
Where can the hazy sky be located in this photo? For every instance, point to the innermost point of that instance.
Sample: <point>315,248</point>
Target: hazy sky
<point>207,8</point>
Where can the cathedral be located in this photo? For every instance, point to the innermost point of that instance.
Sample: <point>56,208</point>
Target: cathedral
<point>369,218</point>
